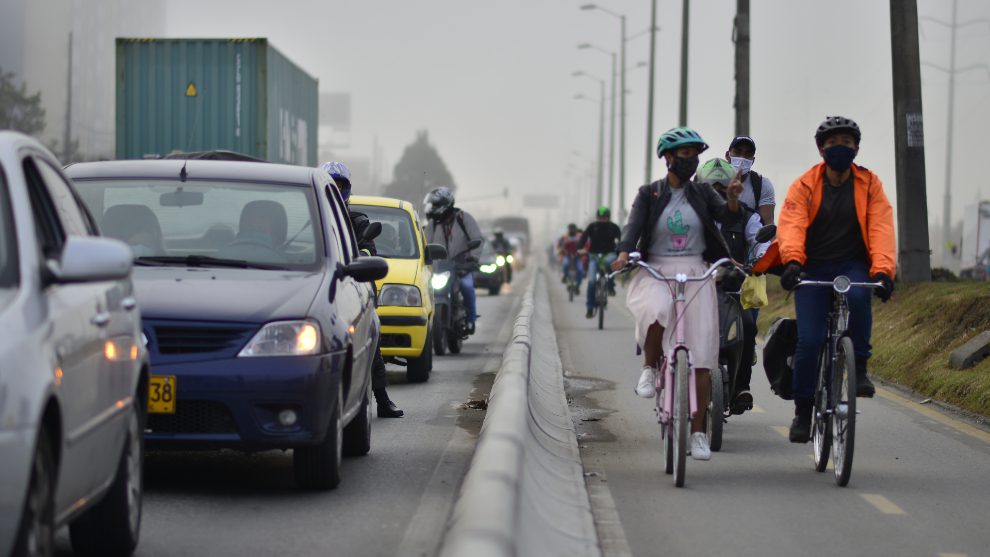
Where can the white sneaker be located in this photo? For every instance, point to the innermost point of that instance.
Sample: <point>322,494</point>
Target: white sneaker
<point>646,387</point>
<point>699,447</point>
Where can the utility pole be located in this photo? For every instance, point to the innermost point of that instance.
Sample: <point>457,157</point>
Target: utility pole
<point>649,97</point>
<point>914,256</point>
<point>682,119</point>
<point>741,39</point>
<point>67,140</point>
<point>622,131</point>
<point>611,133</point>
<point>601,142</point>
<point>947,210</point>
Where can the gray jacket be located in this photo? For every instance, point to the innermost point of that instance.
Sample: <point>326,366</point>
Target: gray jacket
<point>455,234</point>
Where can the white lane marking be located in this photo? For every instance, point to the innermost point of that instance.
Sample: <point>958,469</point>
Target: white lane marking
<point>758,410</point>
<point>884,505</point>
<point>785,431</point>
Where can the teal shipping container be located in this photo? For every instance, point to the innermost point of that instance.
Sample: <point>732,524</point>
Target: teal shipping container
<point>187,95</point>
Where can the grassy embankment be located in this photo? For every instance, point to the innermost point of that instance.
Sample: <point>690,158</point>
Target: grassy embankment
<point>913,335</point>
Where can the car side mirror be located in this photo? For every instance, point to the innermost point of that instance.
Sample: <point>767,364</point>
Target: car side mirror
<point>435,252</point>
<point>365,269</point>
<point>766,233</point>
<point>91,259</point>
<point>474,244</point>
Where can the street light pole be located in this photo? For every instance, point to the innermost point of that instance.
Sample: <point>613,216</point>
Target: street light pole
<point>611,133</point>
<point>601,132</point>
<point>622,130</point>
<point>684,64</point>
<point>649,98</point>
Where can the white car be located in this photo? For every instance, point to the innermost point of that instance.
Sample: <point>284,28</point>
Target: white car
<point>73,367</point>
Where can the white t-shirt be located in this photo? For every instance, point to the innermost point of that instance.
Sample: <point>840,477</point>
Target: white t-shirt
<point>748,197</point>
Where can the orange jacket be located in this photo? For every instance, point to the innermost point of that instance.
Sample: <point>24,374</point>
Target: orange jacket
<point>873,209</point>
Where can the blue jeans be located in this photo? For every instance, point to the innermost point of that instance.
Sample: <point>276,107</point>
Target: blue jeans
<point>593,276</point>
<point>579,264</point>
<point>812,304</point>
<point>470,300</point>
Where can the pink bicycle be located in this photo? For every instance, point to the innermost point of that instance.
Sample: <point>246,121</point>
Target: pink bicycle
<point>677,405</point>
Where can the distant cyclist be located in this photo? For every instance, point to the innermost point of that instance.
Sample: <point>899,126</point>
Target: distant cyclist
<point>673,225</point>
<point>567,250</point>
<point>836,220</point>
<point>758,192</point>
<point>360,222</point>
<point>600,238</point>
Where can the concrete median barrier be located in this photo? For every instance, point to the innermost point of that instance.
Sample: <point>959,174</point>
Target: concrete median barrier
<point>524,493</point>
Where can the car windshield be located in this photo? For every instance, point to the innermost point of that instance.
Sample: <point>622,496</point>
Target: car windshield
<point>397,239</point>
<point>209,224</point>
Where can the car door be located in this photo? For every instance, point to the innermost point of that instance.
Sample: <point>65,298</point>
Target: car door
<point>79,318</point>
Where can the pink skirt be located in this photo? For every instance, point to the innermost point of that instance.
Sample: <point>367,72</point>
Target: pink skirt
<point>651,301</point>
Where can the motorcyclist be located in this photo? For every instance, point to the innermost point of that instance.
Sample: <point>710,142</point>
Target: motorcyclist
<point>502,247</point>
<point>601,238</point>
<point>360,222</point>
<point>454,228</point>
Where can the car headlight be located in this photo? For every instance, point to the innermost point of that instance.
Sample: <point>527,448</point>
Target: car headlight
<point>500,261</point>
<point>439,280</point>
<point>284,338</point>
<point>400,295</point>
<point>489,269</point>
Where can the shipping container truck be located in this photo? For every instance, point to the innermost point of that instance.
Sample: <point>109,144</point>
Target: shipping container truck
<point>243,95</point>
<point>974,255</point>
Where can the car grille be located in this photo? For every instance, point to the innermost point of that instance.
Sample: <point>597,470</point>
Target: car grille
<point>396,340</point>
<point>194,416</point>
<point>197,339</point>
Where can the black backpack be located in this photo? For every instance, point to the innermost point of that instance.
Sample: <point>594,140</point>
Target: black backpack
<point>778,356</point>
<point>757,182</point>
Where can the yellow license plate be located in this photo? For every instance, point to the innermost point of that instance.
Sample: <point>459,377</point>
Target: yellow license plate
<point>161,394</point>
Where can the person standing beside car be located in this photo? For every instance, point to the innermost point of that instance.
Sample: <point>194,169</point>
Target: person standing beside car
<point>360,222</point>
<point>454,228</point>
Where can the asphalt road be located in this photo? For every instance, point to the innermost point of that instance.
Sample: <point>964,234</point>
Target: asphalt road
<point>920,483</point>
<point>394,501</point>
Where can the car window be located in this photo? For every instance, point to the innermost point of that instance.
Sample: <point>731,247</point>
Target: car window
<point>265,224</point>
<point>47,227</point>
<point>66,204</point>
<point>9,274</point>
<point>342,220</point>
<point>398,238</point>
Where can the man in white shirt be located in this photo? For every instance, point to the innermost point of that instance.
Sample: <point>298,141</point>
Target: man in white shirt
<point>758,192</point>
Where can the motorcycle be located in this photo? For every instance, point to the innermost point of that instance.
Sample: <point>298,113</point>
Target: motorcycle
<point>450,320</point>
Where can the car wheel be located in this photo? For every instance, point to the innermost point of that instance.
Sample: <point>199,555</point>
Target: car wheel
<point>439,337</point>
<point>112,526</point>
<point>418,369</point>
<point>357,434</point>
<point>318,466</point>
<point>36,534</point>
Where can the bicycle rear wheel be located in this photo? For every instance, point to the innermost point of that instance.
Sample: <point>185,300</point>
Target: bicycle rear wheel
<point>714,417</point>
<point>821,424</point>
<point>666,432</point>
<point>844,414</point>
<point>601,296</point>
<point>681,417</point>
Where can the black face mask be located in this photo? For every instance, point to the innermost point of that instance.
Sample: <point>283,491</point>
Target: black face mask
<point>684,167</point>
<point>839,157</point>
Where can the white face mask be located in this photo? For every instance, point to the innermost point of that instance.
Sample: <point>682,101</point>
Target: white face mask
<point>741,164</point>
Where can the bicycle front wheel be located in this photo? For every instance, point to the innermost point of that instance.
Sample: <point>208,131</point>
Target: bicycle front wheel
<point>714,417</point>
<point>821,424</point>
<point>681,417</point>
<point>601,296</point>
<point>844,411</point>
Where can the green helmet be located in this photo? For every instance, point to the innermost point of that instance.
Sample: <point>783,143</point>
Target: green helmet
<point>680,137</point>
<point>603,211</point>
<point>716,170</point>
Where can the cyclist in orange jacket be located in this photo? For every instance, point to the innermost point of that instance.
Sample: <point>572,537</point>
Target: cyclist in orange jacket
<point>836,220</point>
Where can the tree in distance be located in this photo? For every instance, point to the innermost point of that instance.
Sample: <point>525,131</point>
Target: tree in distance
<point>418,171</point>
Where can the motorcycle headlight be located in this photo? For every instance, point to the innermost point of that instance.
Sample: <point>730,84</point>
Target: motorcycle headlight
<point>439,280</point>
<point>400,295</point>
<point>509,258</point>
<point>284,338</point>
<point>489,269</point>
<point>500,261</point>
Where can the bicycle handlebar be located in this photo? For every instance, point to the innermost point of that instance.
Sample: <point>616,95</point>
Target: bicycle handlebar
<point>840,284</point>
<point>636,260</point>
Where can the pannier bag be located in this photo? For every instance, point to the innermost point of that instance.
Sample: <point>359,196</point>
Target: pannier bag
<point>778,356</point>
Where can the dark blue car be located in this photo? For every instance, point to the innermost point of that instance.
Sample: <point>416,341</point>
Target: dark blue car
<point>257,314</point>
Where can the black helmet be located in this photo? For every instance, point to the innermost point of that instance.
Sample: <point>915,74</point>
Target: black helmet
<point>438,203</point>
<point>836,124</point>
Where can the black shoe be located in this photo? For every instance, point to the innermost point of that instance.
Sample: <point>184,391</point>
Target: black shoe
<point>742,402</point>
<point>611,290</point>
<point>864,387</point>
<point>563,279</point>
<point>470,327</point>
<point>801,426</point>
<point>388,409</point>
<point>590,314</point>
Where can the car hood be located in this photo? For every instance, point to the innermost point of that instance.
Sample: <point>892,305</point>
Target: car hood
<point>242,295</point>
<point>401,271</point>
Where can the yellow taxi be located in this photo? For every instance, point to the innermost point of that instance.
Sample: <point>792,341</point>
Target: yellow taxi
<point>405,299</point>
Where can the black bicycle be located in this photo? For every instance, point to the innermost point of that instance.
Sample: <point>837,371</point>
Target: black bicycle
<point>601,285</point>
<point>834,417</point>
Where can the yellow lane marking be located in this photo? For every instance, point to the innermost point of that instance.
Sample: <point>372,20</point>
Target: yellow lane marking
<point>952,555</point>
<point>758,410</point>
<point>884,505</point>
<point>955,424</point>
<point>785,431</point>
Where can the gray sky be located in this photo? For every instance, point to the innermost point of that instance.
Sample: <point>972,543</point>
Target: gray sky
<point>491,81</point>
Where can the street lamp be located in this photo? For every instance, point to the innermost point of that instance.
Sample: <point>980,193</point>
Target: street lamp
<point>601,130</point>
<point>611,133</point>
<point>622,101</point>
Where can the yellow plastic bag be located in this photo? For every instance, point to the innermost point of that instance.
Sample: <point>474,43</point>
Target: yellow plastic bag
<point>754,292</point>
